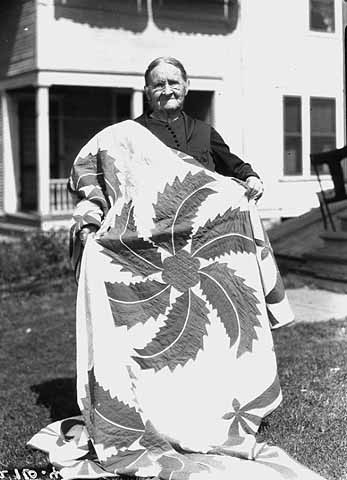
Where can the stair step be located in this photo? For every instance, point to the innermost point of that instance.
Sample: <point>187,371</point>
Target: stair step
<point>20,218</point>
<point>12,230</point>
<point>328,255</point>
<point>343,221</point>
<point>323,268</point>
<point>335,245</point>
<point>338,236</point>
<point>305,221</point>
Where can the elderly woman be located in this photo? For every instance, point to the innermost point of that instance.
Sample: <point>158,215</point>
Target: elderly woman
<point>166,86</point>
<point>178,291</point>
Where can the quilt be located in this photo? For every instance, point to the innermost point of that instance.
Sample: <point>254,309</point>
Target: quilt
<point>178,292</point>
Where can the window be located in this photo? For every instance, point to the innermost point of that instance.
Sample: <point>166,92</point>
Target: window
<point>323,125</point>
<point>322,15</point>
<point>292,136</point>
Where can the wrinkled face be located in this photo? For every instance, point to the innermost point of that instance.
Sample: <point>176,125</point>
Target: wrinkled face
<point>166,89</point>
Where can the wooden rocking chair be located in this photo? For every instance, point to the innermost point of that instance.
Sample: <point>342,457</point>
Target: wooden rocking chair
<point>333,159</point>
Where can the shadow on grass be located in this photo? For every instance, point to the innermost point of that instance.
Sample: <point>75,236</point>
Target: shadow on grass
<point>59,395</point>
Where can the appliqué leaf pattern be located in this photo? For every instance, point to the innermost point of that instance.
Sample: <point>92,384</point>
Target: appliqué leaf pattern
<point>126,307</point>
<point>133,253</point>
<point>169,204</point>
<point>180,466</point>
<point>120,424</point>
<point>128,462</point>
<point>243,418</point>
<point>235,303</point>
<point>228,232</point>
<point>181,337</point>
<point>89,178</point>
<point>277,294</point>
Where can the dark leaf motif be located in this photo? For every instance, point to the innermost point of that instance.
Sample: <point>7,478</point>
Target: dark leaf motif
<point>67,429</point>
<point>107,164</point>
<point>127,249</point>
<point>136,303</point>
<point>231,231</point>
<point>88,171</point>
<point>222,245</point>
<point>266,237</point>
<point>235,303</point>
<point>265,252</point>
<point>169,465</point>
<point>180,339</point>
<point>169,202</point>
<point>180,467</point>
<point>183,222</point>
<point>170,331</point>
<point>153,441</point>
<point>241,415</point>
<point>88,162</point>
<point>88,415</point>
<point>111,435</point>
<point>264,244</point>
<point>272,319</point>
<point>113,422</point>
<point>128,462</point>
<point>221,301</point>
<point>277,294</point>
<point>83,172</point>
<point>266,398</point>
<point>119,225</point>
<point>115,410</point>
<point>239,419</point>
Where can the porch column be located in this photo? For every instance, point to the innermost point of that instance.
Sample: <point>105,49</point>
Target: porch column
<point>42,149</point>
<point>9,155</point>
<point>136,103</point>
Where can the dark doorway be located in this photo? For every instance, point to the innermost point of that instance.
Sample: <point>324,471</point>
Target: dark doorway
<point>198,104</point>
<point>345,67</point>
<point>76,115</point>
<point>27,154</point>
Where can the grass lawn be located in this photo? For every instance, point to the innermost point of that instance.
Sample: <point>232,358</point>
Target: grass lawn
<point>37,359</point>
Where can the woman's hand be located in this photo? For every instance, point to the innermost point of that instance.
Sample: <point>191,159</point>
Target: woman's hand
<point>255,188</point>
<point>86,231</point>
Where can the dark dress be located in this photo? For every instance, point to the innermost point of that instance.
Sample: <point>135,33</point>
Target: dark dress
<point>201,141</point>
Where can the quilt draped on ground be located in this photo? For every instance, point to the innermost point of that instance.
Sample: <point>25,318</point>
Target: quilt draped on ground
<point>177,296</point>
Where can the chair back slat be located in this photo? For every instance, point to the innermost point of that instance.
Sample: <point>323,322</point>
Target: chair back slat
<point>333,159</point>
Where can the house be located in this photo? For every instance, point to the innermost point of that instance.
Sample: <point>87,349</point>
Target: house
<point>268,75</point>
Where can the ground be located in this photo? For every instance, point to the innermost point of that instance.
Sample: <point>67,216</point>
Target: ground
<point>37,378</point>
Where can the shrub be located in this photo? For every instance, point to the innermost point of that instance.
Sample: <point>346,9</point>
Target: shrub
<point>35,256</point>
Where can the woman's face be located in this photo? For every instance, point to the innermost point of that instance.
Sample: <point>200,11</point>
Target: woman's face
<point>166,89</point>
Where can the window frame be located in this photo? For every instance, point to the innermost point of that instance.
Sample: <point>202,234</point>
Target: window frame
<point>306,129</point>
<point>293,135</point>
<point>324,33</point>
<point>317,135</point>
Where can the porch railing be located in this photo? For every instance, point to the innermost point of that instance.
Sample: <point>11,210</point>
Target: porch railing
<point>60,199</point>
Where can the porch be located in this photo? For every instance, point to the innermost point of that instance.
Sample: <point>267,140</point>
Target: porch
<point>45,127</point>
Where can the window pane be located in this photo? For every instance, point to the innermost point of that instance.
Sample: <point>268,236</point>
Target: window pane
<point>292,136</point>
<point>292,156</point>
<point>322,15</point>
<point>323,116</point>
<point>323,127</point>
<point>293,114</point>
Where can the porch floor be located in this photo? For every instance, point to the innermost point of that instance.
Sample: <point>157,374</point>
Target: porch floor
<point>301,245</point>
